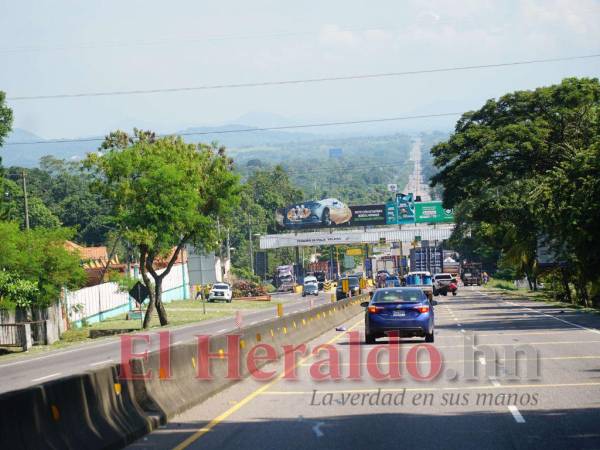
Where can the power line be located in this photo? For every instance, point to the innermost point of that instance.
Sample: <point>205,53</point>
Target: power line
<point>302,81</point>
<point>248,130</point>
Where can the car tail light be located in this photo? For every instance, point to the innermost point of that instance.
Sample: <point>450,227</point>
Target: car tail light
<point>374,309</point>
<point>422,309</point>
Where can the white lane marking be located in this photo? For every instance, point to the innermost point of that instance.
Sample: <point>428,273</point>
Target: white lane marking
<point>482,361</point>
<point>97,363</point>
<point>317,429</point>
<point>35,380</point>
<point>516,414</point>
<point>56,354</point>
<point>177,342</point>
<point>221,330</point>
<point>592,330</point>
<point>462,330</point>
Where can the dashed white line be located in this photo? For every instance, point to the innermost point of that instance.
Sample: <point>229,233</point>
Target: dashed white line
<point>35,380</point>
<point>221,330</point>
<point>516,414</point>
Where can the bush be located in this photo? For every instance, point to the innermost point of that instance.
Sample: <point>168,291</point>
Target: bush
<point>245,288</point>
<point>269,288</point>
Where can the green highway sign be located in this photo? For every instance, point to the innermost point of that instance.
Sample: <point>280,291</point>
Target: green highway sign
<point>432,212</point>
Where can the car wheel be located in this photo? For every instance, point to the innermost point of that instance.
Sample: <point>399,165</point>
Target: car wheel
<point>435,292</point>
<point>429,337</point>
<point>369,339</point>
<point>444,293</point>
<point>454,293</point>
<point>326,217</point>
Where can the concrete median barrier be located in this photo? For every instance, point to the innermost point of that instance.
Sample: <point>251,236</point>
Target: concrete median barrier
<point>92,410</point>
<point>98,409</point>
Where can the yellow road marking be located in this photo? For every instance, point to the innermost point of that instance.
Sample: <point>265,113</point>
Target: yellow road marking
<point>214,422</point>
<point>457,388</point>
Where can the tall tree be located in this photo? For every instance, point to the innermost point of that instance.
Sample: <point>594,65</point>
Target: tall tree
<point>164,194</point>
<point>520,166</point>
<point>6,119</point>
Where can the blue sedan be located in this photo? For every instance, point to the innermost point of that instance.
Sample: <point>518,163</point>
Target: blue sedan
<point>405,310</point>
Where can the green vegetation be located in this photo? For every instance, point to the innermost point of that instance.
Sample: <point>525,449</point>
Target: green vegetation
<point>524,168</point>
<point>39,264</point>
<point>164,194</point>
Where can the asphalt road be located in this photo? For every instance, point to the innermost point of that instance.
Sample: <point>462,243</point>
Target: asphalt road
<point>23,372</point>
<point>554,405</point>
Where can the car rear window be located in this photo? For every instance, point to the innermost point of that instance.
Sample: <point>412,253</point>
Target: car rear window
<point>443,277</point>
<point>397,296</point>
<point>221,286</point>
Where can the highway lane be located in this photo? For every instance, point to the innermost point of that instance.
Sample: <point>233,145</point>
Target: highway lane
<point>553,403</point>
<point>23,372</point>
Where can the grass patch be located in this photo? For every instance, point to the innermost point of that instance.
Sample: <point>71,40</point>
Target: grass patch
<point>179,312</point>
<point>502,284</point>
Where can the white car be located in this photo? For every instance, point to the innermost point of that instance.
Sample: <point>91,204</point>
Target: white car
<point>220,291</point>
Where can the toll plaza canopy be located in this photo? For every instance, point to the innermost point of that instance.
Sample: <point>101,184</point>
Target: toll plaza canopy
<point>371,236</point>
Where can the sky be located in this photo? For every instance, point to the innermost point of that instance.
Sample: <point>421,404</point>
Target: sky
<point>60,46</point>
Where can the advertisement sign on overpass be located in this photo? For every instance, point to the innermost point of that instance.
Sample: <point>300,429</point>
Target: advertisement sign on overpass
<point>333,213</point>
<point>432,212</point>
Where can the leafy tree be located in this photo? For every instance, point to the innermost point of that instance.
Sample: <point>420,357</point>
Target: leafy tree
<point>12,209</point>
<point>164,194</point>
<point>6,119</point>
<point>16,291</point>
<point>525,166</point>
<point>65,190</point>
<point>265,190</point>
<point>40,256</point>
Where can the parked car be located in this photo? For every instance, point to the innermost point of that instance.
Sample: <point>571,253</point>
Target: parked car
<point>353,285</point>
<point>406,311</point>
<point>220,291</point>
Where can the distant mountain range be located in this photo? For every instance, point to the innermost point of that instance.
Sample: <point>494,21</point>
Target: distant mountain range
<point>23,148</point>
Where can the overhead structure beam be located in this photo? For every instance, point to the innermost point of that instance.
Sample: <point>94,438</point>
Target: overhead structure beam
<point>345,237</point>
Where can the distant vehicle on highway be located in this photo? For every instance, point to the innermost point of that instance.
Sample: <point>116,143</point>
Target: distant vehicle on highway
<point>221,292</point>
<point>353,284</point>
<point>326,212</point>
<point>442,284</point>
<point>405,310</point>
<point>470,274</point>
<point>422,280</point>
<point>392,281</point>
<point>310,286</point>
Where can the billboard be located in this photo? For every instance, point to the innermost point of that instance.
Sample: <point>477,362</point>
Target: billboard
<point>405,205</point>
<point>432,212</point>
<point>332,213</point>
<point>329,212</point>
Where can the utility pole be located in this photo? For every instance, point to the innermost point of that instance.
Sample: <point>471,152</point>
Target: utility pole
<point>26,201</point>
<point>251,249</point>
